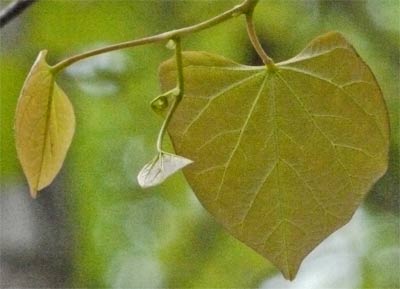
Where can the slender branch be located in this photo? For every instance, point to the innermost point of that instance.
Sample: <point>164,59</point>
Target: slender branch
<point>13,10</point>
<point>251,31</point>
<point>179,67</point>
<point>178,96</point>
<point>243,8</point>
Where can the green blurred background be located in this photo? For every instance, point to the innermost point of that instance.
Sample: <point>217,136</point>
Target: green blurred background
<point>95,228</point>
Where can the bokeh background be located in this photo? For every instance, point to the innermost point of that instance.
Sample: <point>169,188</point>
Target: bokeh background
<point>95,228</point>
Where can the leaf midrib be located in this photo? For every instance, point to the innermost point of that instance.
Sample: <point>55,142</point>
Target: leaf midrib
<point>282,214</point>
<point>46,130</point>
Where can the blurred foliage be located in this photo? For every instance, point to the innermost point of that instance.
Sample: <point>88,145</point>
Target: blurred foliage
<point>122,236</point>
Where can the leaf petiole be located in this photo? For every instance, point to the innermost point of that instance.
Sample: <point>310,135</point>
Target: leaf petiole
<point>177,93</point>
<point>251,31</point>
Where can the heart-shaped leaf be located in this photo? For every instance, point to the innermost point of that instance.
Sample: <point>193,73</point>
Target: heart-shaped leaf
<point>44,126</point>
<point>160,168</point>
<point>282,158</point>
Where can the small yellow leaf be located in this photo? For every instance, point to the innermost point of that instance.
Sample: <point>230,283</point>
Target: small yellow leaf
<point>44,126</point>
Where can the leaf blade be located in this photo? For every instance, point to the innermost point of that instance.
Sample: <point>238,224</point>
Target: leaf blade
<point>44,126</point>
<point>282,170</point>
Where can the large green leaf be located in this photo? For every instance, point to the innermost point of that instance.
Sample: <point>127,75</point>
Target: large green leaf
<point>44,126</point>
<point>281,158</point>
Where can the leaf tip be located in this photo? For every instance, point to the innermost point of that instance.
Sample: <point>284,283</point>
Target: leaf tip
<point>291,275</point>
<point>290,272</point>
<point>40,59</point>
<point>141,179</point>
<point>43,53</point>
<point>33,192</point>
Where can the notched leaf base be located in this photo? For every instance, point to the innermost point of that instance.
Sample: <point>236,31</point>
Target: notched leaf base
<point>281,159</point>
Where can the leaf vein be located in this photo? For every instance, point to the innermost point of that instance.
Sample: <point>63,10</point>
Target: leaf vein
<point>308,113</point>
<point>310,74</point>
<point>310,189</point>
<point>215,96</point>
<point>213,138</point>
<point>243,128</point>
<point>257,191</point>
<point>301,58</point>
